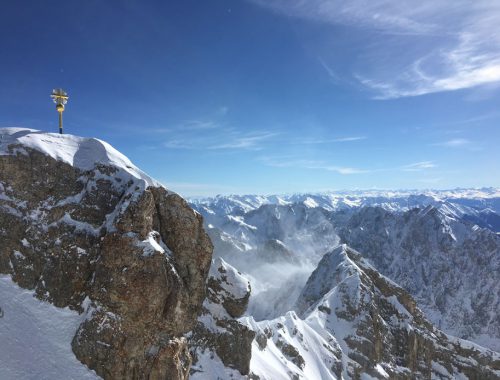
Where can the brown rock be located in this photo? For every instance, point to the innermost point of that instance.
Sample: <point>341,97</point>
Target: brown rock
<point>73,235</point>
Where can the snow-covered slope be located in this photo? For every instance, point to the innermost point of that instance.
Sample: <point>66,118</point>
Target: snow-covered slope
<point>80,152</point>
<point>221,345</point>
<point>35,337</point>
<point>288,347</point>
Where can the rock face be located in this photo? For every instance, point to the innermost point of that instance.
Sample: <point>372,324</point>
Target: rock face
<point>217,332</point>
<point>379,327</point>
<point>84,228</point>
<point>449,265</point>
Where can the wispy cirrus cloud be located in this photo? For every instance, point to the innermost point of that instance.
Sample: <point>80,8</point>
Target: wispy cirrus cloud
<point>286,162</point>
<point>209,135</point>
<point>196,125</point>
<point>432,45</point>
<point>251,141</point>
<point>454,143</point>
<point>418,166</point>
<point>381,14</point>
<point>331,73</point>
<point>329,140</point>
<point>291,162</point>
<point>186,125</point>
<point>460,143</point>
<point>347,139</point>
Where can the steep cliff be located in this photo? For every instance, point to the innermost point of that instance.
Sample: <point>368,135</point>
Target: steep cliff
<point>82,227</point>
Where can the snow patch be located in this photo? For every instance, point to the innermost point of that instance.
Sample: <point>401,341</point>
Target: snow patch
<point>311,203</point>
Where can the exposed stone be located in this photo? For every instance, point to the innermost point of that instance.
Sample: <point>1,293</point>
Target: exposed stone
<point>75,235</point>
<point>292,353</point>
<point>217,330</point>
<point>261,340</point>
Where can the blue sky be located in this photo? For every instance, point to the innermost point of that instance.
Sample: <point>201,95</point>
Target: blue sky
<point>267,96</point>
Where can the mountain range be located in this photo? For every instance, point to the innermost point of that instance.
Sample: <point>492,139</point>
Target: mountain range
<point>104,273</point>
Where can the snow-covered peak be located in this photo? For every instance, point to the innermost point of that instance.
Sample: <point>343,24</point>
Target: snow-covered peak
<point>80,152</point>
<point>335,267</point>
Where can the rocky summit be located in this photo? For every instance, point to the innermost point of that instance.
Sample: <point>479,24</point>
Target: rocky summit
<point>83,228</point>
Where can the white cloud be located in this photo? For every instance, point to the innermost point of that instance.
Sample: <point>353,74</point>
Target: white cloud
<point>347,139</point>
<point>454,143</point>
<point>418,166</point>
<point>291,162</point>
<point>211,136</point>
<point>343,170</point>
<point>333,76</point>
<point>285,162</point>
<point>245,142</point>
<point>326,140</point>
<point>382,14</point>
<point>436,45</point>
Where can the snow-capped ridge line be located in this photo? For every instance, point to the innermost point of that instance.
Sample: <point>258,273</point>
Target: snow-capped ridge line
<point>80,152</point>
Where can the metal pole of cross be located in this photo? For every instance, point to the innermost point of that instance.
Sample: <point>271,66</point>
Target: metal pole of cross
<point>60,98</point>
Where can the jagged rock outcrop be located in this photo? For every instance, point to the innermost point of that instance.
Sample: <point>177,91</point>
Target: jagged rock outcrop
<point>448,264</point>
<point>228,287</point>
<point>84,228</point>
<point>379,327</point>
<point>218,332</point>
